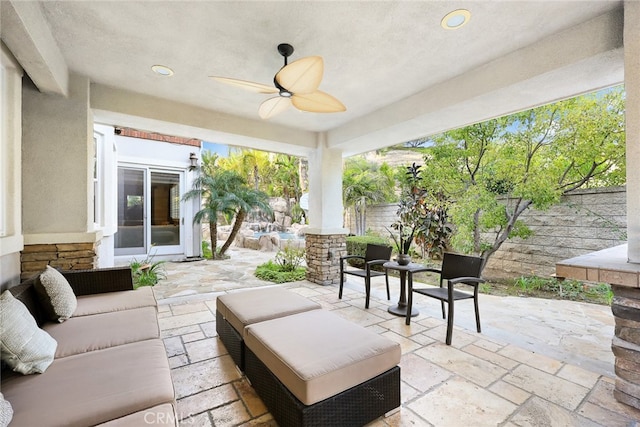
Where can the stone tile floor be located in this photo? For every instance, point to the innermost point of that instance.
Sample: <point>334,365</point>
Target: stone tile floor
<point>537,362</point>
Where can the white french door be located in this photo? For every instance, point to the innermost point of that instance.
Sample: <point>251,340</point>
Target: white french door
<point>150,219</point>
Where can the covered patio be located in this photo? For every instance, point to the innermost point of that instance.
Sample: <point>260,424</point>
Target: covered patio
<point>551,366</point>
<point>69,65</point>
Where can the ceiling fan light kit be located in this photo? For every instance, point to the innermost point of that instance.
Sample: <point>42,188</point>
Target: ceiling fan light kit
<point>296,84</point>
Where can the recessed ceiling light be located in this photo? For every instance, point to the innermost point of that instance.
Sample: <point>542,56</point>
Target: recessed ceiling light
<point>162,70</point>
<point>456,19</point>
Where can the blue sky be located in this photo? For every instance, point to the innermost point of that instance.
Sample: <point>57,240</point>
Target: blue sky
<point>212,147</point>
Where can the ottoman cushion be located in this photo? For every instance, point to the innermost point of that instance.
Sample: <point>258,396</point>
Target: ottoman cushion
<point>256,305</point>
<point>317,354</point>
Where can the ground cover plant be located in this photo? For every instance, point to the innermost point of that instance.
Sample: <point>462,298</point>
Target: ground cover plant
<point>286,267</point>
<point>550,288</point>
<point>147,272</point>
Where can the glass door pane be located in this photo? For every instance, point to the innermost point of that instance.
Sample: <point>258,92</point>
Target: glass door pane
<point>130,238</point>
<point>165,209</point>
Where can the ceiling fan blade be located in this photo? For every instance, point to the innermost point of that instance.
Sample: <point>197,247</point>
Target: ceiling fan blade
<point>317,102</point>
<point>273,106</point>
<point>255,87</point>
<point>301,76</point>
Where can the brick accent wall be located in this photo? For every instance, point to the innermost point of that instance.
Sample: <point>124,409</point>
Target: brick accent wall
<point>67,256</point>
<point>323,257</point>
<point>583,222</point>
<point>135,133</point>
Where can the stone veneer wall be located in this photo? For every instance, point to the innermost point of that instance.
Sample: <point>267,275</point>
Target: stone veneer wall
<point>323,257</point>
<point>583,222</point>
<point>67,256</point>
<point>626,344</point>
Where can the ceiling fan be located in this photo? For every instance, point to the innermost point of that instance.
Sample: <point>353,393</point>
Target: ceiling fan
<point>296,83</point>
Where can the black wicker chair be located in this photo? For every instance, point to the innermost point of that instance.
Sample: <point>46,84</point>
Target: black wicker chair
<point>456,269</point>
<point>374,255</point>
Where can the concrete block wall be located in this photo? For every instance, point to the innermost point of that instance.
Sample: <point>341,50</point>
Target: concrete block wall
<point>583,222</point>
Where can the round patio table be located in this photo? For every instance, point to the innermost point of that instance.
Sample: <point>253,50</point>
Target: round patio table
<point>400,309</point>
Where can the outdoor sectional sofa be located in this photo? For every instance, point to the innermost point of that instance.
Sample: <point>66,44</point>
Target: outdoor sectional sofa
<point>110,366</point>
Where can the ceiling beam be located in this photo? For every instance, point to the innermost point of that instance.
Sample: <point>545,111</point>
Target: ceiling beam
<point>26,33</point>
<point>119,107</point>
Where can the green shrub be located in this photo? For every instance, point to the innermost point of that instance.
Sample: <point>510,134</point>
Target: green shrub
<point>289,258</point>
<point>206,250</point>
<point>357,245</point>
<point>273,272</point>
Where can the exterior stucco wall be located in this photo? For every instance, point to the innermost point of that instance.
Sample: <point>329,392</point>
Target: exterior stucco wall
<point>585,221</point>
<point>11,239</point>
<point>56,152</point>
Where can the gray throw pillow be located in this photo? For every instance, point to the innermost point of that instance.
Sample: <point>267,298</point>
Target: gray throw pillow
<point>55,294</point>
<point>23,346</point>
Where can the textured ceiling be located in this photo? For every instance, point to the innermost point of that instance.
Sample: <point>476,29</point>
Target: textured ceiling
<point>375,53</point>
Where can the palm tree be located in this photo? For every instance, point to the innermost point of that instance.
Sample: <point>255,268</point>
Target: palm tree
<point>244,200</point>
<point>285,180</point>
<point>365,183</point>
<point>218,198</point>
<point>224,193</point>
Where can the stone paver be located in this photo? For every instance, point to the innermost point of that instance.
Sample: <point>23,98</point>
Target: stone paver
<point>510,375</point>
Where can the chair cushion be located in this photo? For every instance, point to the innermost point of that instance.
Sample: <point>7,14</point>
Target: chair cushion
<point>55,295</point>
<point>94,387</point>
<point>115,301</point>
<point>88,333</point>
<point>256,305</point>
<point>317,354</point>
<point>24,347</point>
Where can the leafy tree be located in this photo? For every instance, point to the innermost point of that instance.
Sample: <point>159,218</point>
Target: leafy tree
<point>496,170</point>
<point>422,216</point>
<point>365,183</point>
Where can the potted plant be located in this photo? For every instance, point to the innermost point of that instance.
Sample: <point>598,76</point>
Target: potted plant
<point>410,213</point>
<point>402,243</point>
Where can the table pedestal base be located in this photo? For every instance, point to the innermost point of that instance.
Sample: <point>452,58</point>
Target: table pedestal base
<point>401,310</point>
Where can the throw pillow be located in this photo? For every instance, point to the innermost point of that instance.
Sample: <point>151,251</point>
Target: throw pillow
<point>6,412</point>
<point>56,296</point>
<point>23,346</point>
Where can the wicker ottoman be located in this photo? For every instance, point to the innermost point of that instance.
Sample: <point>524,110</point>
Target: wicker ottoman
<point>318,369</point>
<point>236,310</point>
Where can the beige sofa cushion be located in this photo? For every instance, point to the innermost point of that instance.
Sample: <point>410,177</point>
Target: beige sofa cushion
<point>115,301</point>
<point>257,305</point>
<point>318,354</point>
<point>55,294</point>
<point>89,333</point>
<point>93,388</point>
<point>24,347</point>
<point>161,415</point>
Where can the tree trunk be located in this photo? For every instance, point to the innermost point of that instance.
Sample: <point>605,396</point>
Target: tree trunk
<point>356,210</point>
<point>240,216</point>
<point>363,216</point>
<point>213,237</point>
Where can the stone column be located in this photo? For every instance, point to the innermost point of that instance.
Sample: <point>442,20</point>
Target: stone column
<point>632,125</point>
<point>626,301</point>
<point>325,237</point>
<point>626,345</point>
